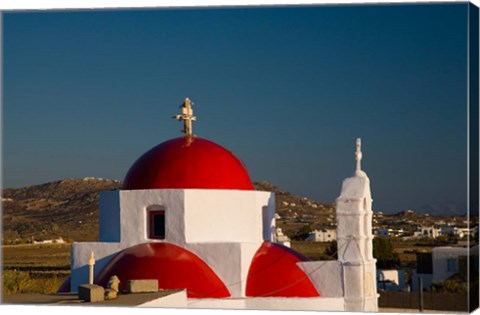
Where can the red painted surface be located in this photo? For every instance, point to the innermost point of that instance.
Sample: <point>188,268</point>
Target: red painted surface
<point>65,286</point>
<point>180,163</point>
<point>274,272</point>
<point>173,266</point>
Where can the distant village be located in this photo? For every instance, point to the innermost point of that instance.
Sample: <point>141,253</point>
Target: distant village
<point>444,242</point>
<point>304,219</point>
<point>407,225</point>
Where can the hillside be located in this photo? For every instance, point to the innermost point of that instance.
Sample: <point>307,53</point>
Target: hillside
<point>298,215</point>
<point>69,209</point>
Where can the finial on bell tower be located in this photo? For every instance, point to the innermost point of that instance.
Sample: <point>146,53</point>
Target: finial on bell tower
<point>186,116</point>
<point>358,158</point>
<point>358,154</point>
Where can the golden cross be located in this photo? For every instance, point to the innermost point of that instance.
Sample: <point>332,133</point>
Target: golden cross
<point>186,116</point>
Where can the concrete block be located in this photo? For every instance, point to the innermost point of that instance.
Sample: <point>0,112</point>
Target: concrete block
<point>142,286</point>
<point>91,293</point>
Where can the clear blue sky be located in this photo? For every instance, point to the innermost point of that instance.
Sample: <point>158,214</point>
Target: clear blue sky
<point>286,89</point>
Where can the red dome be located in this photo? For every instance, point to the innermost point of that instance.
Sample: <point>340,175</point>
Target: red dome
<point>173,266</point>
<point>274,272</point>
<point>188,163</point>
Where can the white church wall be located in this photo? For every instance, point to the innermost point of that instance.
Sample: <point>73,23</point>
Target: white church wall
<point>80,254</point>
<point>134,205</point>
<point>326,276</point>
<point>238,217</point>
<point>224,215</point>
<point>173,300</point>
<point>271,303</point>
<point>292,304</point>
<point>268,215</point>
<point>230,261</point>
<point>225,260</point>
<point>109,216</point>
<point>233,215</point>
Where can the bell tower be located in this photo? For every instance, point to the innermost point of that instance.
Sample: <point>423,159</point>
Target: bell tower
<point>355,240</point>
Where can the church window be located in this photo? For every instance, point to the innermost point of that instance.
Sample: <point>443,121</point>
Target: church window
<point>156,224</point>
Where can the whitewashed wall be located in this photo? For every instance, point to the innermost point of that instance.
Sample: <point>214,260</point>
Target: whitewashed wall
<point>230,261</point>
<point>440,257</point>
<point>223,227</point>
<point>354,243</point>
<point>326,276</point>
<point>173,300</point>
<point>225,215</point>
<point>271,303</point>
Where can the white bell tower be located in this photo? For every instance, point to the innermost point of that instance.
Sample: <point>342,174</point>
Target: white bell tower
<point>354,239</point>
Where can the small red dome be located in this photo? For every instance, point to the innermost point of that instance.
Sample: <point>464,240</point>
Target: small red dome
<point>274,272</point>
<point>188,162</point>
<point>174,267</point>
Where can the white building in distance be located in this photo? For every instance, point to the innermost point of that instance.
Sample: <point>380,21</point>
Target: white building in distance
<point>322,235</point>
<point>427,231</point>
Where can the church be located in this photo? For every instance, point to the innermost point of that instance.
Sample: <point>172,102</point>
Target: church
<point>187,215</point>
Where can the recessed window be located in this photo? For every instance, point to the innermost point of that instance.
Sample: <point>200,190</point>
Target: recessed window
<point>452,265</point>
<point>156,224</point>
